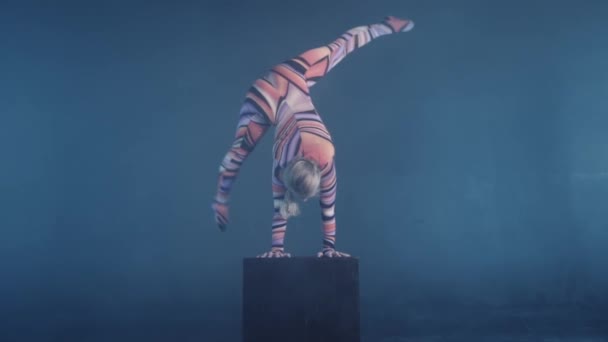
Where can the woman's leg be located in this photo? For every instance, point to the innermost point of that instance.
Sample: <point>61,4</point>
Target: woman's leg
<point>319,61</point>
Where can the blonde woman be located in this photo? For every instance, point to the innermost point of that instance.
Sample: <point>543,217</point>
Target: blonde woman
<point>303,151</point>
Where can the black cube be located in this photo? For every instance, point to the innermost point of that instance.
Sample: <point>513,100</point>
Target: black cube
<point>301,299</point>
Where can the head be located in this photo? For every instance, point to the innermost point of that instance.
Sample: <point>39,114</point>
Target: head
<point>302,178</point>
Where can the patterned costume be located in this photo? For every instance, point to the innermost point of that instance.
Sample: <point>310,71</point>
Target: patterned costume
<point>281,99</point>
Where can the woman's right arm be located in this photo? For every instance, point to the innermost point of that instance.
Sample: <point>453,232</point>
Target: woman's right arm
<point>251,128</point>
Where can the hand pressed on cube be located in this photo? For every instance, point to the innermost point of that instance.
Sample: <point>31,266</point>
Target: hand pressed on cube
<point>275,253</point>
<point>331,253</point>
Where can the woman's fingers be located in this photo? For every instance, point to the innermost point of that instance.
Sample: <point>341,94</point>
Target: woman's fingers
<point>274,254</point>
<point>332,253</point>
<point>221,215</point>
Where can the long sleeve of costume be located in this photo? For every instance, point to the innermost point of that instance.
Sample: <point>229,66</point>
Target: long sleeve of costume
<point>327,200</point>
<point>252,126</point>
<point>279,223</point>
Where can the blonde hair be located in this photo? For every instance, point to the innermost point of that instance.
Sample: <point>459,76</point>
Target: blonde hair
<point>302,178</point>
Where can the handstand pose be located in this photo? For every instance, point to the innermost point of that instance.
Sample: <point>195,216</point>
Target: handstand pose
<point>303,151</point>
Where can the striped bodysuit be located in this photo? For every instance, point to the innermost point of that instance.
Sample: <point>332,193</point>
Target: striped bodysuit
<point>281,98</point>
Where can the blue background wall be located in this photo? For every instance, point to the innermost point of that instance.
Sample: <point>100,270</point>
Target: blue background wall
<point>472,160</point>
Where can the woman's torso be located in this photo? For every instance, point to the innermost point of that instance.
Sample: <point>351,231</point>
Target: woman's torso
<point>300,130</point>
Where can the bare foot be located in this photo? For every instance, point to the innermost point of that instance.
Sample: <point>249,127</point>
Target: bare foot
<point>275,253</point>
<point>331,253</point>
<point>399,24</point>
